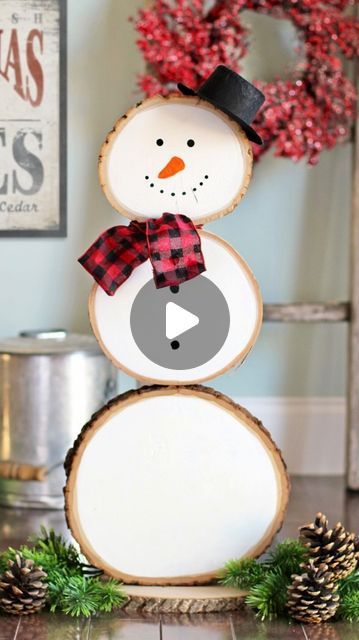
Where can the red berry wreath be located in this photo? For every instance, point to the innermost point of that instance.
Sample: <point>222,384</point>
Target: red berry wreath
<point>311,111</point>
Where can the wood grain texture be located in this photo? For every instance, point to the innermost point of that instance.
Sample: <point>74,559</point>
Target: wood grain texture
<point>198,627</point>
<point>307,312</point>
<point>239,625</point>
<point>246,626</point>
<point>122,627</point>
<point>176,99</point>
<point>183,600</point>
<point>73,460</point>
<point>331,631</point>
<point>353,364</point>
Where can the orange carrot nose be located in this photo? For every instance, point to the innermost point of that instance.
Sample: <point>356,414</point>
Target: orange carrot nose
<point>172,167</point>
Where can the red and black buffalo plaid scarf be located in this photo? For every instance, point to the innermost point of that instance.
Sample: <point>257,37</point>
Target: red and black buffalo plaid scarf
<point>171,242</point>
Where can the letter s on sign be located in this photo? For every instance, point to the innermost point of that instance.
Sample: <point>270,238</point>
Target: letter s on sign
<point>35,67</point>
<point>27,161</point>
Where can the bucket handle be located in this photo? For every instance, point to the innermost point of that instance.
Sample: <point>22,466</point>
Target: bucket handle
<point>23,471</point>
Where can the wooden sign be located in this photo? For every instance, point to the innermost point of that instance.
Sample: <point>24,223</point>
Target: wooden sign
<point>32,118</point>
<point>165,484</point>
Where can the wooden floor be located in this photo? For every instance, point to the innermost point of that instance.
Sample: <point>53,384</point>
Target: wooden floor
<point>308,496</point>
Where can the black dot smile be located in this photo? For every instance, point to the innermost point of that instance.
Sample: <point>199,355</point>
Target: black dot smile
<point>184,193</point>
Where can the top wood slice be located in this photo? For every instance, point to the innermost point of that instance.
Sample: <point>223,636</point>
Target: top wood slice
<point>176,154</point>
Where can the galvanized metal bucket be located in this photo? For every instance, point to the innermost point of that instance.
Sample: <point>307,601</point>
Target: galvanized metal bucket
<point>51,383</point>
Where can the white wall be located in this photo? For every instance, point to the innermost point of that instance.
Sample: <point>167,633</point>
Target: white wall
<point>292,227</point>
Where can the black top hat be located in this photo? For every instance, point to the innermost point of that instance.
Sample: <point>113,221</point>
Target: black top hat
<point>233,95</point>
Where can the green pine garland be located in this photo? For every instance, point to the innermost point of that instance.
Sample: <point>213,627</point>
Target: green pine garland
<point>349,597</point>
<point>74,587</point>
<point>349,607</point>
<point>287,556</point>
<point>268,597</point>
<point>267,582</point>
<point>76,595</point>
<point>242,574</point>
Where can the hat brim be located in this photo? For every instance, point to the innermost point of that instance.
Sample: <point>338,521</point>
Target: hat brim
<point>251,133</point>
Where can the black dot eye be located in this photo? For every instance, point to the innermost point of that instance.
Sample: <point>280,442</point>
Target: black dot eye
<point>159,142</point>
<point>190,143</point>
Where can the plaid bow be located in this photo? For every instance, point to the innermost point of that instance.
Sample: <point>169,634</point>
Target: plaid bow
<point>171,242</point>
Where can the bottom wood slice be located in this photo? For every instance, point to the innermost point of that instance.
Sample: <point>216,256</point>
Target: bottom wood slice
<point>182,600</point>
<point>165,484</point>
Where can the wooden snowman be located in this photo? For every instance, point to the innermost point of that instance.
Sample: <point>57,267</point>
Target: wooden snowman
<point>168,482</point>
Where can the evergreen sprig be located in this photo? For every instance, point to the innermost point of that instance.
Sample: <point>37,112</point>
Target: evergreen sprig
<point>287,556</point>
<point>269,596</point>
<point>350,583</point>
<point>242,574</point>
<point>349,597</point>
<point>73,586</point>
<point>349,606</point>
<point>80,596</point>
<point>55,546</point>
<point>268,581</point>
<point>5,556</point>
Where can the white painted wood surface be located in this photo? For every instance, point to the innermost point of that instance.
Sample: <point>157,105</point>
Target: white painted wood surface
<point>167,483</point>
<point>159,157</point>
<point>111,318</point>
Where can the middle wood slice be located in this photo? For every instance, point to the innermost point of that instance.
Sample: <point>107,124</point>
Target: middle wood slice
<point>147,332</point>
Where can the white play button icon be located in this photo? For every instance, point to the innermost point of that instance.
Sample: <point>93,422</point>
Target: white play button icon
<point>182,327</point>
<point>178,320</point>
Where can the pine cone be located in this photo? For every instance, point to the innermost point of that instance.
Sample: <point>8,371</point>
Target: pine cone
<point>313,597</point>
<point>334,547</point>
<point>22,590</point>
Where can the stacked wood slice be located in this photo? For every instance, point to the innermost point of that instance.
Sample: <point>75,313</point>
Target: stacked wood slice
<point>166,483</point>
<point>186,467</point>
